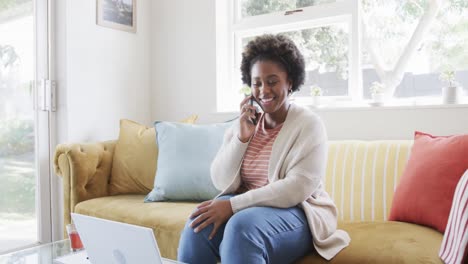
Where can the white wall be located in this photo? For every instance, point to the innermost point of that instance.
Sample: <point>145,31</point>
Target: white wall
<point>385,122</point>
<point>394,123</point>
<point>102,74</point>
<point>106,75</point>
<point>184,82</point>
<point>184,62</point>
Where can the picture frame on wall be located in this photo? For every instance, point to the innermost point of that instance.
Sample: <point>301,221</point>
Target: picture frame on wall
<point>116,14</point>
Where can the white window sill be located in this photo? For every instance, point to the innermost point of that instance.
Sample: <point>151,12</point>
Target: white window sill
<point>419,103</point>
<point>397,104</point>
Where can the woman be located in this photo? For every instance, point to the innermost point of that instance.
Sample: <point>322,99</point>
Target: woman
<point>273,207</point>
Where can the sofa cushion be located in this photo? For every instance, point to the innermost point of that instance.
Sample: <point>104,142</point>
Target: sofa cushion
<point>362,175</point>
<point>185,155</point>
<point>135,158</point>
<point>385,242</point>
<point>166,219</point>
<point>134,162</point>
<point>425,192</point>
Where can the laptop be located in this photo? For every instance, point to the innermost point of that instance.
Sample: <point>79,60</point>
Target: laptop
<point>108,241</point>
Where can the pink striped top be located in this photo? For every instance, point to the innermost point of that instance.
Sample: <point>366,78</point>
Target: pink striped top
<point>254,168</point>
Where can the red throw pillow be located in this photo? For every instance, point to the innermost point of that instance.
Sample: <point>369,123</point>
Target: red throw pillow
<point>425,192</point>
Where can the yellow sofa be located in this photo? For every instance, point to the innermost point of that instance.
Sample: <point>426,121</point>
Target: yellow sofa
<point>361,177</point>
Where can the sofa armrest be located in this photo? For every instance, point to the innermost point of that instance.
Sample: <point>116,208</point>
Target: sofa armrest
<point>85,169</point>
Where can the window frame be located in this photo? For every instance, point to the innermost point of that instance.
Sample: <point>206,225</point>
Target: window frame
<point>231,28</point>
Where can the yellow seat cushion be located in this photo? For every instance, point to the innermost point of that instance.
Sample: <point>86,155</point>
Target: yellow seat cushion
<point>371,242</point>
<point>386,242</point>
<point>167,219</point>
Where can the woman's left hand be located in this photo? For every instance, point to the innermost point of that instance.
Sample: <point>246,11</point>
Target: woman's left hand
<point>215,212</point>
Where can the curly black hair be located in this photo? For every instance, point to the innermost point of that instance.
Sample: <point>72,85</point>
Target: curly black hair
<point>276,48</point>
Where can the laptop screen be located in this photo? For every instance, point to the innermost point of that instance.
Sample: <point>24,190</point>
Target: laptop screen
<point>108,241</point>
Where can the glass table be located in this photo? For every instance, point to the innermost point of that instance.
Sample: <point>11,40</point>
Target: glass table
<point>44,254</point>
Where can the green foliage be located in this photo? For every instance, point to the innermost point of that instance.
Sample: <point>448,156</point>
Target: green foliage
<point>5,4</point>
<point>445,43</point>
<point>17,177</point>
<point>19,193</point>
<point>18,186</point>
<point>390,25</point>
<point>329,49</point>
<point>245,90</point>
<point>305,3</point>
<point>315,90</point>
<point>16,137</point>
<point>260,7</point>
<point>458,5</point>
<point>17,173</point>
<point>376,88</point>
<point>448,76</point>
<point>448,41</point>
<point>325,49</point>
<point>411,11</point>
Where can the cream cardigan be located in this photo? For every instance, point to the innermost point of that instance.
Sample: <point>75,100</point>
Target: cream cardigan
<point>297,166</point>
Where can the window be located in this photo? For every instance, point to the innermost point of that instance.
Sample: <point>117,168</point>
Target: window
<point>325,50</point>
<point>390,25</point>
<point>349,44</point>
<point>25,203</point>
<point>18,216</point>
<point>260,7</point>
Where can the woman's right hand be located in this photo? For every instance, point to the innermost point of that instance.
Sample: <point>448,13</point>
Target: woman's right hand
<point>247,113</point>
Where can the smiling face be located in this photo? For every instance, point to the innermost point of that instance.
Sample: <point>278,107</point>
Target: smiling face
<point>270,86</point>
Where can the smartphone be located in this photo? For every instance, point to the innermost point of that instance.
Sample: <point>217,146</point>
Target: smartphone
<point>257,110</point>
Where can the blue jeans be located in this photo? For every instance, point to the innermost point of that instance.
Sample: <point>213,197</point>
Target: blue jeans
<point>253,235</point>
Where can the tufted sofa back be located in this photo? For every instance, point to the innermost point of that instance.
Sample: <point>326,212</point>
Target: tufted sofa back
<point>361,176</point>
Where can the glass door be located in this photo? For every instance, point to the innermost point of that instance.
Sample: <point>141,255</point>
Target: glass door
<point>24,126</point>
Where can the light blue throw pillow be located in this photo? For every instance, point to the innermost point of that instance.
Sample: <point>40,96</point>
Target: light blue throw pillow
<point>185,155</point>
